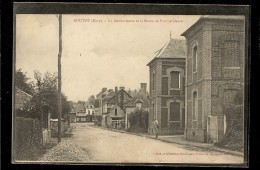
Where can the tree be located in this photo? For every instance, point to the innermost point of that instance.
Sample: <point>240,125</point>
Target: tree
<point>91,99</point>
<point>21,82</point>
<point>46,90</point>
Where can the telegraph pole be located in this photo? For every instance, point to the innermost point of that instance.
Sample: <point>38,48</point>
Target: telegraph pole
<point>59,78</point>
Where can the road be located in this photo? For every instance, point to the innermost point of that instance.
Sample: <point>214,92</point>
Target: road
<point>107,146</point>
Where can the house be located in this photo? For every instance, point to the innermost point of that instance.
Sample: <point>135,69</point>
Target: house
<point>167,88</point>
<point>215,74</point>
<point>90,111</point>
<point>116,117</point>
<point>80,111</point>
<point>21,98</point>
<point>115,100</point>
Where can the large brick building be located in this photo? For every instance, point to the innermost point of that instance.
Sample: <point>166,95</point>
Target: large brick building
<point>167,88</point>
<point>215,74</point>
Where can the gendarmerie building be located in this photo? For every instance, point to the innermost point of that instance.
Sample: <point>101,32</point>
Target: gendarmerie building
<point>167,88</point>
<point>215,74</point>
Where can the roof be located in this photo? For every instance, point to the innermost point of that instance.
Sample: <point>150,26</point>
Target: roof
<point>132,103</point>
<point>214,18</point>
<point>78,107</point>
<point>174,48</point>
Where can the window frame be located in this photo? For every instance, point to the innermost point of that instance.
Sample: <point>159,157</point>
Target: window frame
<point>195,55</point>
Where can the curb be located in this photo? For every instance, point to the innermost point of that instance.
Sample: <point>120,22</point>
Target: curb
<point>163,140</point>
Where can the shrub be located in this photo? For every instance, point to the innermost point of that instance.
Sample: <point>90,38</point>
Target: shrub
<point>28,139</point>
<point>233,138</point>
<point>138,121</point>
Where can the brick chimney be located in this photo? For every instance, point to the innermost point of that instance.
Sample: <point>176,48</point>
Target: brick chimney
<point>116,95</point>
<point>144,87</point>
<point>104,89</point>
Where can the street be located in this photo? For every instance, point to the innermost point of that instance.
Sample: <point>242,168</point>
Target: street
<point>107,146</point>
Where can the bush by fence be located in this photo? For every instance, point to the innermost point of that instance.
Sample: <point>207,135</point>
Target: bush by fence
<point>28,138</point>
<point>234,134</point>
<point>138,121</point>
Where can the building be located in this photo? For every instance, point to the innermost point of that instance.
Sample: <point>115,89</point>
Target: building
<point>22,98</point>
<point>215,74</point>
<point>90,111</point>
<point>112,103</point>
<point>167,88</point>
<point>80,111</point>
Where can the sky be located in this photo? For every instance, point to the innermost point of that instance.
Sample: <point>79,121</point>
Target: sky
<point>98,50</point>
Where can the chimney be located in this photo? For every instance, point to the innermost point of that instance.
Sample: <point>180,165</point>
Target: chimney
<point>104,89</point>
<point>144,86</point>
<point>116,95</point>
<point>122,87</point>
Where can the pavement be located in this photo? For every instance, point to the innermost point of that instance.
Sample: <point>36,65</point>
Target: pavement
<point>180,139</point>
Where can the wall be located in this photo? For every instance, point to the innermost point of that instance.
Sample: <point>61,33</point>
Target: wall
<point>212,79</point>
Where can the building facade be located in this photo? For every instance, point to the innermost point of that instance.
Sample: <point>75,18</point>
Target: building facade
<point>215,74</point>
<point>167,88</point>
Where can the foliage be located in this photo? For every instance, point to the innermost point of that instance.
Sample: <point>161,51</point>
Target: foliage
<point>44,92</point>
<point>21,81</point>
<point>47,91</point>
<point>28,139</point>
<point>138,121</point>
<point>234,133</point>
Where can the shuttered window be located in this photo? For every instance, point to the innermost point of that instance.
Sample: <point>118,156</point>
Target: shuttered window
<point>174,111</point>
<point>175,79</point>
<point>195,56</point>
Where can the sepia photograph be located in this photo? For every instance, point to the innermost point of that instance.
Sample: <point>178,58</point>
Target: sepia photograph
<point>130,88</point>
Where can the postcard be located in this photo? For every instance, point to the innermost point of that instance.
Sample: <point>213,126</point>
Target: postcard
<point>130,88</point>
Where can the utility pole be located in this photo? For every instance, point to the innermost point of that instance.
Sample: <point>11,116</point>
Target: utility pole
<point>59,78</point>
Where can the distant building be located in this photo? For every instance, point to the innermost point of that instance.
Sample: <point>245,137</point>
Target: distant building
<point>80,111</point>
<point>90,111</point>
<point>167,88</point>
<point>215,74</point>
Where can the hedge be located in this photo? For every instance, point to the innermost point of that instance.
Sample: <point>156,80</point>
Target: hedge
<point>28,138</point>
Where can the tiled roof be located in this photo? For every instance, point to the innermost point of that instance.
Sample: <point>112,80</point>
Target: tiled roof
<point>77,107</point>
<point>175,48</point>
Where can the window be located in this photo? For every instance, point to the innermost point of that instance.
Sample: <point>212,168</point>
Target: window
<point>88,112</point>
<point>229,97</point>
<point>93,112</point>
<point>195,56</point>
<point>153,81</point>
<point>231,54</point>
<point>175,79</point>
<point>195,106</point>
<point>175,111</point>
<point>116,112</point>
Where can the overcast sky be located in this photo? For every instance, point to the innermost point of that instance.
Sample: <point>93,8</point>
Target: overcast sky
<point>95,54</point>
